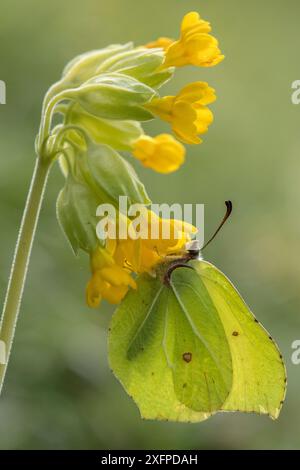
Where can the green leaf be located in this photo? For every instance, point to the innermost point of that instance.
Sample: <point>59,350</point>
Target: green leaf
<point>118,134</point>
<point>190,348</point>
<point>113,96</point>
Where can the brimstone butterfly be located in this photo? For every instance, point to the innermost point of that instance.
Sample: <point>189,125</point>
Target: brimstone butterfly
<point>185,345</point>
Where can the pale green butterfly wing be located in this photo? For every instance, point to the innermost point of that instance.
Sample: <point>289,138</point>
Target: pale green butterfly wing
<point>174,346</point>
<point>259,376</point>
<point>199,354</point>
<point>161,352</point>
<point>147,377</point>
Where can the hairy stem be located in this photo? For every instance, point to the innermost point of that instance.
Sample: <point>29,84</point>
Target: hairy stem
<point>20,262</point>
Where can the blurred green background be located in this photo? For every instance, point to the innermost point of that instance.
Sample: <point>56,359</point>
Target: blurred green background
<point>60,393</point>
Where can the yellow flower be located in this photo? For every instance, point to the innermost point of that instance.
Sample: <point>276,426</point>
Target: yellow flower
<point>112,266</point>
<point>195,45</point>
<point>109,281</point>
<point>167,235</point>
<point>186,112</point>
<point>162,42</point>
<point>164,236</point>
<point>136,255</point>
<point>162,153</point>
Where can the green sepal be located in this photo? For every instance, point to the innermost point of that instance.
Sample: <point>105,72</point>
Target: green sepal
<point>140,63</point>
<point>113,96</point>
<point>84,66</point>
<point>76,212</point>
<point>120,135</point>
<point>157,79</point>
<point>109,175</point>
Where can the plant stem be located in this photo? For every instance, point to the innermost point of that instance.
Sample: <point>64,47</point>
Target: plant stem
<point>21,259</point>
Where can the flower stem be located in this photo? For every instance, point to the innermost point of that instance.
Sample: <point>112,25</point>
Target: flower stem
<point>21,259</point>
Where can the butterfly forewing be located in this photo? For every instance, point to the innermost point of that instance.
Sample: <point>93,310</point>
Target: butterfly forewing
<point>138,352</point>
<point>200,355</point>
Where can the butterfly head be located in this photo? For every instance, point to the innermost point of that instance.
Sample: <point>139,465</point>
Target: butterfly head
<point>193,249</point>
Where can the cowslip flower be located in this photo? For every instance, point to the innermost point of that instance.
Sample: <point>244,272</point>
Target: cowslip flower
<point>109,281</point>
<point>97,172</point>
<point>195,45</point>
<point>112,267</point>
<point>162,153</point>
<point>187,112</point>
<point>167,235</point>
<point>135,255</point>
<point>102,98</point>
<point>94,111</point>
<point>160,238</point>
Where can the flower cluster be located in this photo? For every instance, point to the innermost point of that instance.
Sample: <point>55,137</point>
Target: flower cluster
<point>103,97</point>
<point>111,267</point>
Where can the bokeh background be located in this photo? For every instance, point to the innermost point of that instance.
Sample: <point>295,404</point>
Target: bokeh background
<point>60,393</point>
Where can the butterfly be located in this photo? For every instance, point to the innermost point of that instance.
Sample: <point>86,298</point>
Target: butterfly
<point>185,345</point>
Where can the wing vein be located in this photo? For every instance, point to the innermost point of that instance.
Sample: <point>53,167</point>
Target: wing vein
<point>196,332</point>
<point>146,317</point>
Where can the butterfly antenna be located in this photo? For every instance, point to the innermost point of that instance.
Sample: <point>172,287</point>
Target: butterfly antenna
<point>226,216</point>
